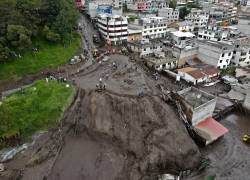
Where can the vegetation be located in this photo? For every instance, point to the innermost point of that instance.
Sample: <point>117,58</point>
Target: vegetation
<point>48,56</point>
<point>132,18</point>
<point>231,70</point>
<point>23,20</point>
<point>38,107</point>
<point>183,12</point>
<point>172,4</point>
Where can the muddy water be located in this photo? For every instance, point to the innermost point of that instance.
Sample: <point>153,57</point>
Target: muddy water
<point>241,120</point>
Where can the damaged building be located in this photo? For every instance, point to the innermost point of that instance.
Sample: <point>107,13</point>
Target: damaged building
<point>199,107</point>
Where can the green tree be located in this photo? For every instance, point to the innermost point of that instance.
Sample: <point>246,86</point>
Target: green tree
<point>18,36</point>
<point>183,12</point>
<point>66,20</point>
<point>172,4</point>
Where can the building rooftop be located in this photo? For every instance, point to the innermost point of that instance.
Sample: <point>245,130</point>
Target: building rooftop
<point>183,34</point>
<point>195,97</point>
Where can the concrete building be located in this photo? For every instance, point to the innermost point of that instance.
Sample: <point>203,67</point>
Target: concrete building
<point>169,13</point>
<point>94,8</point>
<point>151,27</point>
<point>214,33</point>
<point>134,35</point>
<point>149,5</point>
<point>198,104</point>
<point>198,17</point>
<point>218,54</point>
<point>180,38</point>
<point>186,26</point>
<point>162,63</point>
<point>192,75</point>
<point>241,53</point>
<point>198,107</point>
<point>113,28</point>
<point>146,47</point>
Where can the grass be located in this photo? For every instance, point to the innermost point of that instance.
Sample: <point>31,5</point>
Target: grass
<point>48,56</point>
<point>38,107</point>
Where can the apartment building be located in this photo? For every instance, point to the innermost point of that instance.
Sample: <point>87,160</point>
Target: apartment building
<point>198,17</point>
<point>151,27</point>
<point>214,33</point>
<point>94,8</point>
<point>169,13</point>
<point>218,54</point>
<point>113,28</point>
<point>241,53</point>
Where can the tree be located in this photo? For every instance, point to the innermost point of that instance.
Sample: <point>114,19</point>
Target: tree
<point>183,12</point>
<point>172,4</point>
<point>66,20</point>
<point>19,36</point>
<point>4,53</point>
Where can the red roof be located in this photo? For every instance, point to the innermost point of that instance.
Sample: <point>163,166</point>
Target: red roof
<point>197,74</point>
<point>210,129</point>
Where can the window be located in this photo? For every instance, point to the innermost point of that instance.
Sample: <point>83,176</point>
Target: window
<point>229,54</point>
<point>151,26</point>
<point>220,61</point>
<point>223,55</point>
<point>234,52</point>
<point>145,49</point>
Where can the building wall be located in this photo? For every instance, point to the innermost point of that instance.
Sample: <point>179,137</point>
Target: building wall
<point>204,111</point>
<point>113,29</point>
<point>215,56</point>
<point>169,13</point>
<point>134,37</point>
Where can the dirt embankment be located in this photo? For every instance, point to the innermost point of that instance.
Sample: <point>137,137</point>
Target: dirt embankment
<point>123,137</point>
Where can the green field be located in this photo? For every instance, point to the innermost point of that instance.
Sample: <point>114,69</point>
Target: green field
<point>48,55</point>
<point>38,107</point>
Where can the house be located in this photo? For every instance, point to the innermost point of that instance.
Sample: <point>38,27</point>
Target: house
<point>186,26</point>
<point>199,107</point>
<point>193,75</point>
<point>214,33</point>
<point>146,47</point>
<point>113,28</point>
<point>218,54</point>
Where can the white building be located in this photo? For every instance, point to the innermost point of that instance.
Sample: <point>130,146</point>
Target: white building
<point>146,47</point>
<point>241,53</point>
<point>151,27</point>
<point>180,38</point>
<point>169,13</point>
<point>94,8</point>
<point>113,28</point>
<point>218,54</point>
<point>213,33</point>
<point>198,17</point>
<point>186,26</point>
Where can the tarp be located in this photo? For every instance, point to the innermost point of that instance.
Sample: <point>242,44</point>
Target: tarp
<point>210,129</point>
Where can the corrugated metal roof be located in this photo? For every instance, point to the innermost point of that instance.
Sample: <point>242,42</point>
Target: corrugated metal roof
<point>210,129</point>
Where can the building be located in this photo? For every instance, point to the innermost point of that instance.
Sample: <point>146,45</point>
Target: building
<point>218,54</point>
<point>241,53</point>
<point>94,8</point>
<point>214,33</point>
<point>199,107</point>
<point>113,28</point>
<point>134,35</point>
<point>162,63</point>
<point>149,5</point>
<point>198,17</point>
<point>146,47</point>
<point>169,13</point>
<point>180,38</point>
<point>192,75</point>
<point>186,26</point>
<point>151,27</point>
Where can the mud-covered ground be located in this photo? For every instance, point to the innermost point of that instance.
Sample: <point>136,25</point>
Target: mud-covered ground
<point>113,134</point>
